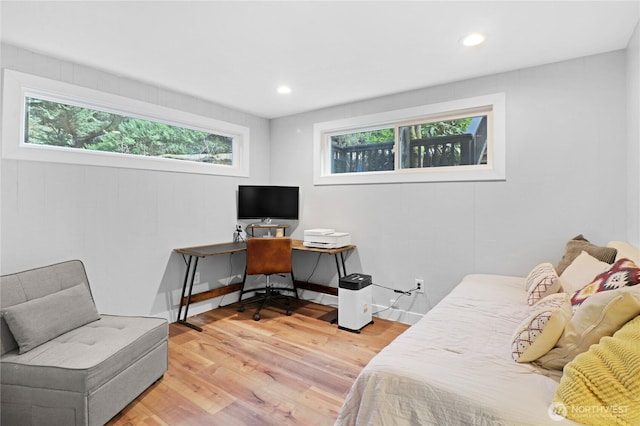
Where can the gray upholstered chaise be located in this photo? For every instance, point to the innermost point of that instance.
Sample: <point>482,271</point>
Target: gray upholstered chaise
<point>61,362</point>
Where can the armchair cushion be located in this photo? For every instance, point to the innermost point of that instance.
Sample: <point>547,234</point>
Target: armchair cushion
<point>85,358</point>
<point>37,321</point>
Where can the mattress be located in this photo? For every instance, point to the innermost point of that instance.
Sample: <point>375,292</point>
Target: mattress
<point>454,366</point>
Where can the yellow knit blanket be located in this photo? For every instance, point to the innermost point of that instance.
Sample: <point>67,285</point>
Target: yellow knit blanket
<point>602,386</point>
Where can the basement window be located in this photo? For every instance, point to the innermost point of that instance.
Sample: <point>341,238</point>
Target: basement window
<point>461,140</point>
<point>61,122</point>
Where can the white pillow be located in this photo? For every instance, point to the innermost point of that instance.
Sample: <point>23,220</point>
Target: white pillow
<point>625,250</point>
<point>541,282</point>
<point>600,315</point>
<point>581,272</point>
<point>539,332</point>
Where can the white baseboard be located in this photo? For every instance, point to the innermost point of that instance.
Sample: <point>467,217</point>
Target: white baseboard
<point>394,314</point>
<point>380,311</point>
<point>196,308</point>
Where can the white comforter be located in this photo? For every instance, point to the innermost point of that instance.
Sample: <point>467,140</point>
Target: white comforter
<point>454,366</point>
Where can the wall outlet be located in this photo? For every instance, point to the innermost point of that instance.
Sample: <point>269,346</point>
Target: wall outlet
<point>419,285</point>
<point>196,278</point>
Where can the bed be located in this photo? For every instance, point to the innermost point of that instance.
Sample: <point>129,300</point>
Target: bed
<point>456,365</point>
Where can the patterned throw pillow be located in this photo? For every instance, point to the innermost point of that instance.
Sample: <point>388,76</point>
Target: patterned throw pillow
<point>623,273</point>
<point>541,281</point>
<point>539,332</point>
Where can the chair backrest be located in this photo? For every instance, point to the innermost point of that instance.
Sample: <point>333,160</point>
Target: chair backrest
<point>266,255</point>
<point>28,285</point>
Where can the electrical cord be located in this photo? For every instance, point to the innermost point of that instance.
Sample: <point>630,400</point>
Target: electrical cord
<point>314,268</point>
<point>381,286</point>
<point>389,307</point>
<point>229,280</point>
<point>402,293</point>
<point>406,293</point>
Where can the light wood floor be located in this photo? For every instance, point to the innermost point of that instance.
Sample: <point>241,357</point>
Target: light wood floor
<point>280,370</point>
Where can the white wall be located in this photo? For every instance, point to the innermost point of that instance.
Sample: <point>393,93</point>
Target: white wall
<point>122,223</point>
<point>567,144</point>
<point>566,175</point>
<point>633,130</point>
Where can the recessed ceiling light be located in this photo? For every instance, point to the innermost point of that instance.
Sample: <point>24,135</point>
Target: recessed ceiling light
<point>473,39</point>
<point>284,90</point>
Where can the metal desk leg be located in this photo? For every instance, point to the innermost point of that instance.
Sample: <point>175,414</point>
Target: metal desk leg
<point>341,272</point>
<point>189,277</point>
<point>293,282</point>
<point>244,281</point>
<point>184,287</point>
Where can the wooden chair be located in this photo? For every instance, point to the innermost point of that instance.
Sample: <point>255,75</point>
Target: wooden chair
<point>268,256</point>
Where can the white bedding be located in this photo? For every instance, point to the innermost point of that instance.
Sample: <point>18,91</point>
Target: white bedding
<point>454,366</point>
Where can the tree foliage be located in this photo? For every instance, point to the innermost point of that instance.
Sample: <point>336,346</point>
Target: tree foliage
<point>417,131</point>
<point>360,138</point>
<point>56,124</point>
<point>440,128</point>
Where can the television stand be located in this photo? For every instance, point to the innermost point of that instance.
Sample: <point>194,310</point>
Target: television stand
<point>267,226</point>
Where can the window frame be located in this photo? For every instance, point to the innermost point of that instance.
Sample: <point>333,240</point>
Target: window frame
<point>18,85</point>
<point>492,105</point>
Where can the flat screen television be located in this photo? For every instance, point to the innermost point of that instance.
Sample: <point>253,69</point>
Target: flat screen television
<point>267,202</point>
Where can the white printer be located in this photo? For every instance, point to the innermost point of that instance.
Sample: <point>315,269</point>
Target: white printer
<point>326,238</point>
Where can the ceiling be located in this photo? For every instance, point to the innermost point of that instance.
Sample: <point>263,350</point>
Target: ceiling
<point>236,53</point>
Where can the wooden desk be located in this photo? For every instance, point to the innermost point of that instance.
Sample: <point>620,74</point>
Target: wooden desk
<point>193,254</point>
<point>319,288</point>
